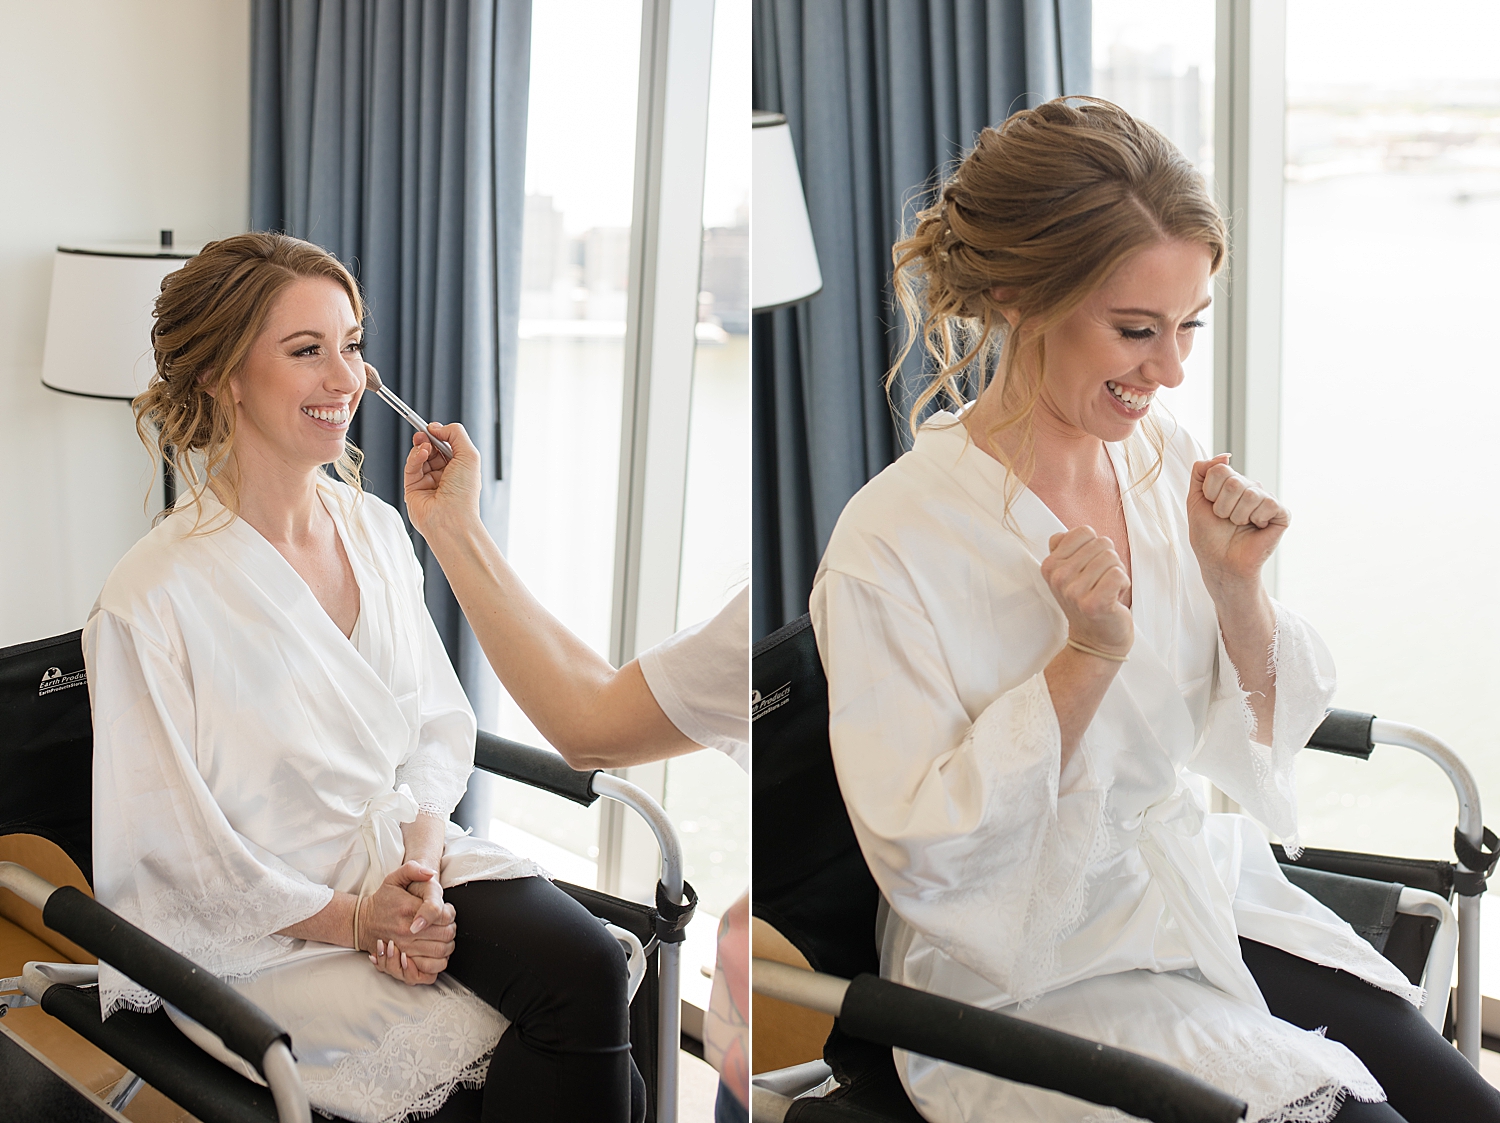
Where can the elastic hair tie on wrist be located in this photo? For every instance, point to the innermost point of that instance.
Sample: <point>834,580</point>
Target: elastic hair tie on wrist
<point>1087,650</point>
<point>358,902</point>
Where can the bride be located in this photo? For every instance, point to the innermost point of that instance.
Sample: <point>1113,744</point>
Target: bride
<point>1044,626</point>
<point>279,740</point>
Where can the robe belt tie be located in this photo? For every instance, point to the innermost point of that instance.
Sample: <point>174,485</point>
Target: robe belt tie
<point>1175,850</point>
<point>381,830</point>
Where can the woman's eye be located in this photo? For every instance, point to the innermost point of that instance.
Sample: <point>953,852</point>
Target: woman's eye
<point>310,349</point>
<point>356,345</point>
<point>1137,333</point>
<point>1193,325</point>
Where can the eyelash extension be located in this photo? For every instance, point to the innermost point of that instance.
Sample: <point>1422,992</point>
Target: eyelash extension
<point>1139,334</point>
<point>358,345</point>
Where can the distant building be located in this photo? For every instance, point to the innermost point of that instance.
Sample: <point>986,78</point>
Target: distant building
<point>606,271</point>
<point>543,244</point>
<point>587,277</point>
<point>725,278</point>
<point>549,271</point>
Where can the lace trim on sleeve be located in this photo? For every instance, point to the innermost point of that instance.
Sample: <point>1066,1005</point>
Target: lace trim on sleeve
<point>1304,689</point>
<point>1039,850</point>
<point>1282,1074</point>
<point>436,787</point>
<point>1353,953</point>
<point>1257,773</point>
<point>227,930</point>
<point>1058,902</point>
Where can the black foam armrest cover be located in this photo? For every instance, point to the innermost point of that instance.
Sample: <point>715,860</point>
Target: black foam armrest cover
<point>243,1026</point>
<point>904,1018</point>
<point>151,1046</point>
<point>535,767</point>
<point>1346,732</point>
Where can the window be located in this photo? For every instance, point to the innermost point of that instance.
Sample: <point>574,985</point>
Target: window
<point>569,380</point>
<point>707,794</point>
<point>1156,59</point>
<point>583,323</point>
<point>1392,188</point>
<point>1368,323</point>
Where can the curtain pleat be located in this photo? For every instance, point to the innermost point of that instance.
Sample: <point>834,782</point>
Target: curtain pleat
<point>882,97</point>
<point>393,134</point>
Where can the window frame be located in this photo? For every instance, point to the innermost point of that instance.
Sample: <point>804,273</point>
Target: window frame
<point>666,237</point>
<point>1249,169</point>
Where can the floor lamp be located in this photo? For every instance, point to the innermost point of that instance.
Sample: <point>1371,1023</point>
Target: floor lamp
<point>783,260</point>
<point>99,321</point>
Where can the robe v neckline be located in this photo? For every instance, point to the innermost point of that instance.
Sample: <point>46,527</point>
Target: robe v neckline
<point>1035,522</point>
<point>296,595</point>
<point>297,584</point>
<point>1147,677</point>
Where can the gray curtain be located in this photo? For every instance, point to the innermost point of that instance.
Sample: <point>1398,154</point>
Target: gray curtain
<point>881,96</point>
<point>393,134</point>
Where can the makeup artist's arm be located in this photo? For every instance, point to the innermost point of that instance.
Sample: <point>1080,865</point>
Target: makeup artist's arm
<point>595,715</point>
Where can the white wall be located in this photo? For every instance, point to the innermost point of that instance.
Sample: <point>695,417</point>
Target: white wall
<point>117,118</point>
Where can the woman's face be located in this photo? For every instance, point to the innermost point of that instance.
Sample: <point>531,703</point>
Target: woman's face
<point>302,380</point>
<point>1106,361</point>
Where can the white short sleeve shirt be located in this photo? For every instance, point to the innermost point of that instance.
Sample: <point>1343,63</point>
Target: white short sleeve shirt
<point>701,679</point>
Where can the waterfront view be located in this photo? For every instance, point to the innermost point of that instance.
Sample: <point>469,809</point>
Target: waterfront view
<point>1392,206</point>
<point>1393,200</point>
<point>569,379</point>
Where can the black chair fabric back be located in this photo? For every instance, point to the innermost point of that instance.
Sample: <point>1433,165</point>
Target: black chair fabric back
<point>810,879</point>
<point>47,746</point>
<point>1409,939</point>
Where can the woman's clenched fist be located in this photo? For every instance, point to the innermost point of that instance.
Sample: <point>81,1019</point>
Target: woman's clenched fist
<point>1233,524</point>
<point>1090,584</point>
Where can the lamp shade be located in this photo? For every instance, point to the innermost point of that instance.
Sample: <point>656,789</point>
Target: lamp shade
<point>783,260</point>
<point>99,318</point>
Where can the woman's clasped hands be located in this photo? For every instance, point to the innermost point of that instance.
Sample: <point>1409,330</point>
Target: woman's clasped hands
<point>406,927</point>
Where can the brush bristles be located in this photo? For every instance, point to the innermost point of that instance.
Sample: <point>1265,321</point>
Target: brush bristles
<point>372,379</point>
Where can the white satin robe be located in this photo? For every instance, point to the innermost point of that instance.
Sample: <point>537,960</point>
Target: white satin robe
<point>249,760</point>
<point>1100,899</point>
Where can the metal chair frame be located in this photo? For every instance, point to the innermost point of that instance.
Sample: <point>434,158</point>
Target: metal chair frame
<point>535,767</point>
<point>1455,938</point>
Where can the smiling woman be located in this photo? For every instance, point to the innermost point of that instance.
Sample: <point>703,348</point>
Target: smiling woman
<point>280,739</point>
<point>1045,625</point>
<point>258,302</point>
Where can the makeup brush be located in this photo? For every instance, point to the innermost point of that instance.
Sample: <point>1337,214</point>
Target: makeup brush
<point>372,381</point>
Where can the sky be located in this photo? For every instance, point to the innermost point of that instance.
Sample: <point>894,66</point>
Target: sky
<point>581,114</point>
<point>1392,40</point>
<point>1329,41</point>
<point>1187,24</point>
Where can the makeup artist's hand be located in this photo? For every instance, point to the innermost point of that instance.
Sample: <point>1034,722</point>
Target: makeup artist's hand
<point>442,494</point>
<point>387,921</point>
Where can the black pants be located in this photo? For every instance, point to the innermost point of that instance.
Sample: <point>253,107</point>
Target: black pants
<point>547,964</point>
<point>1425,1079</point>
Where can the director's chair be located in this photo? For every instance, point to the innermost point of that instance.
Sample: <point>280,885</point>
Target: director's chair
<point>811,884</point>
<point>51,929</point>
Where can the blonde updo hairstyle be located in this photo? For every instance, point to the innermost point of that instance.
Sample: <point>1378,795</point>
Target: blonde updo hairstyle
<point>207,318</point>
<point>1045,208</point>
